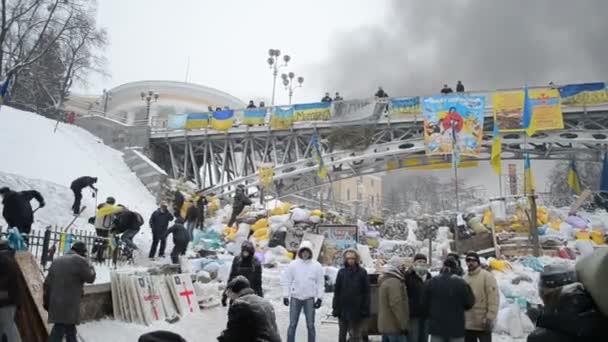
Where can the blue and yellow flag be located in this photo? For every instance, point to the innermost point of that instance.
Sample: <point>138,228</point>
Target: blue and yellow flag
<point>526,123</point>
<point>408,105</point>
<point>584,94</point>
<point>312,111</point>
<point>4,90</point>
<point>528,177</point>
<point>322,172</point>
<point>222,120</point>
<point>495,159</point>
<point>197,120</point>
<point>282,117</point>
<point>604,178</point>
<point>573,180</point>
<point>254,116</point>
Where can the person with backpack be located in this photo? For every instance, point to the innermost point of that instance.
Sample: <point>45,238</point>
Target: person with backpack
<point>77,185</point>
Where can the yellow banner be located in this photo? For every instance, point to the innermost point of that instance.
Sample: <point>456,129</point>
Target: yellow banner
<point>508,110</point>
<point>546,109</point>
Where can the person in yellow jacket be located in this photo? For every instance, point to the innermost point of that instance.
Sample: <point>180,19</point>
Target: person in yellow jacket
<point>479,320</point>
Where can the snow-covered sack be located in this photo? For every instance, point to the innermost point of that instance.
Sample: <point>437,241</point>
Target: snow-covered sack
<point>300,215</point>
<point>513,321</point>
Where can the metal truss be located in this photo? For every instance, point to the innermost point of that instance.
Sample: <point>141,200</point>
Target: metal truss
<point>218,161</point>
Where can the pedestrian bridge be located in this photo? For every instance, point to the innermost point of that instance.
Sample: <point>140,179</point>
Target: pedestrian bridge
<point>360,138</point>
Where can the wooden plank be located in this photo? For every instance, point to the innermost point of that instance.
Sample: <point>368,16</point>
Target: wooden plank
<point>31,316</point>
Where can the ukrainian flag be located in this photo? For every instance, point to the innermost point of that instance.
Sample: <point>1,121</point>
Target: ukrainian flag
<point>197,120</point>
<point>496,151</point>
<point>282,117</point>
<point>322,172</point>
<point>573,180</point>
<point>222,120</point>
<point>528,178</point>
<point>255,116</point>
<point>312,111</point>
<point>527,113</point>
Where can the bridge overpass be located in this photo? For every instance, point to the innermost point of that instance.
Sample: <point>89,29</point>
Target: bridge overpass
<point>360,139</point>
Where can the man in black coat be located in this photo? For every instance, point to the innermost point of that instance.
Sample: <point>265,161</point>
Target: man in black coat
<point>17,209</point>
<point>178,202</point>
<point>159,222</point>
<point>239,203</point>
<point>447,296</point>
<point>459,87</point>
<point>251,318</point>
<point>201,203</point>
<point>326,98</point>
<point>127,223</point>
<point>77,185</point>
<point>180,239</point>
<point>248,266</point>
<point>415,281</point>
<point>446,90</point>
<point>251,105</point>
<point>351,297</point>
<point>381,94</point>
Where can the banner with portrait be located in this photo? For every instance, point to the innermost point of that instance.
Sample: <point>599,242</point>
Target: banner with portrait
<point>508,107</point>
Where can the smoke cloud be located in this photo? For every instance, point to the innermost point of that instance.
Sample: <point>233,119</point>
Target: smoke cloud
<point>487,44</point>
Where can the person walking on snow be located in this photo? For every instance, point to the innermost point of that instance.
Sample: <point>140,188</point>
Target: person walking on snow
<point>351,297</point>
<point>240,201</point>
<point>17,210</point>
<point>447,296</point>
<point>393,307</point>
<point>63,289</point>
<point>180,239</point>
<point>77,185</point>
<point>248,266</point>
<point>250,317</point>
<point>192,217</point>
<point>303,284</point>
<point>480,318</point>
<point>415,280</point>
<point>159,222</point>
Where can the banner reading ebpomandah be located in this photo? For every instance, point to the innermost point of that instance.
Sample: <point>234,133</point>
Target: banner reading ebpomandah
<point>456,119</point>
<point>508,110</point>
<point>546,109</point>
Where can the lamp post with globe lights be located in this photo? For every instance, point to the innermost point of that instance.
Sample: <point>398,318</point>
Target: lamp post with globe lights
<point>288,82</point>
<point>147,97</point>
<point>273,61</point>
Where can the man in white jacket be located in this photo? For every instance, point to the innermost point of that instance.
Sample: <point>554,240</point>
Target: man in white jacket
<point>303,285</point>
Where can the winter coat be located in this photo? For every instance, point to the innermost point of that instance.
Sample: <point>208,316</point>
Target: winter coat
<point>251,318</point>
<point>159,221</point>
<point>178,202</point>
<point>460,88</point>
<point>352,292</point>
<point>326,99</point>
<point>192,213</point>
<point>415,289</point>
<point>381,93</point>
<point>80,183</point>
<point>447,91</point>
<point>249,268</point>
<point>303,279</point>
<point>127,220</point>
<point>17,210</point>
<point>393,306</point>
<point>180,234</point>
<point>63,287</point>
<point>485,289</point>
<point>240,200</point>
<point>9,286</point>
<point>447,297</point>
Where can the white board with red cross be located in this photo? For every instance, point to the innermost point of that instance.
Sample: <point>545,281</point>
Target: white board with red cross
<point>150,300</point>
<point>183,293</point>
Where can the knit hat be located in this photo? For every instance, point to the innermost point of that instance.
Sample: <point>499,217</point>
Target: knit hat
<point>161,336</point>
<point>238,284</point>
<point>474,256</point>
<point>396,261</point>
<point>450,263</point>
<point>79,247</point>
<point>420,256</point>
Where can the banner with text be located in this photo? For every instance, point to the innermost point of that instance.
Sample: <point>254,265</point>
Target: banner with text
<point>546,109</point>
<point>320,111</point>
<point>453,121</point>
<point>508,110</point>
<point>405,106</point>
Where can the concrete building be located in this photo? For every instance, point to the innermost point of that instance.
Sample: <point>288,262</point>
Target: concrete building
<point>363,194</point>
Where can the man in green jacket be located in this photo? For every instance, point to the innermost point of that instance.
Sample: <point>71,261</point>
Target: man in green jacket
<point>393,307</point>
<point>479,320</point>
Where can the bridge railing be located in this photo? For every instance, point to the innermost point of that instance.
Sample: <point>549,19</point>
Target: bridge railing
<point>391,108</point>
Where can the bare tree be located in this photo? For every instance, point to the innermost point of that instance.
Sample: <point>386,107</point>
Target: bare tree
<point>560,192</point>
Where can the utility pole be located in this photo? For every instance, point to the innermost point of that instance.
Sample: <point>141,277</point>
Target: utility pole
<point>533,228</point>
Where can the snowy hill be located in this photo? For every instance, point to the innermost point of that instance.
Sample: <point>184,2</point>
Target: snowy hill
<point>33,156</point>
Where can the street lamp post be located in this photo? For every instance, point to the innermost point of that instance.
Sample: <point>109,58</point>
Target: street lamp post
<point>107,97</point>
<point>288,82</point>
<point>147,97</point>
<point>273,62</point>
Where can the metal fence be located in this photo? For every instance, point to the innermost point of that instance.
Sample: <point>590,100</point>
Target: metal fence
<point>47,244</point>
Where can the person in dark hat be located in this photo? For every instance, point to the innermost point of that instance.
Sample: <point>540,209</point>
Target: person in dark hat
<point>250,317</point>
<point>459,271</point>
<point>63,289</point>
<point>160,336</point>
<point>245,264</point>
<point>481,317</point>
<point>416,279</point>
<point>447,297</point>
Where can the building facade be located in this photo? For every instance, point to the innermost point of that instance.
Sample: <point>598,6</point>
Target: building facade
<point>363,194</point>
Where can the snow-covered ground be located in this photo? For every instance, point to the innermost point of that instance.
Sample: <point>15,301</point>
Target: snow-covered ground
<point>35,157</point>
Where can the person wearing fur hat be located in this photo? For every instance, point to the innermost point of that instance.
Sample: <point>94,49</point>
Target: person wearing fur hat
<point>416,279</point>
<point>393,306</point>
<point>480,318</point>
<point>63,289</point>
<point>303,283</point>
<point>351,297</point>
<point>250,317</point>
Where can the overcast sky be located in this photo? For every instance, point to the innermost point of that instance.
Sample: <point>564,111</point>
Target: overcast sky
<point>352,46</point>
